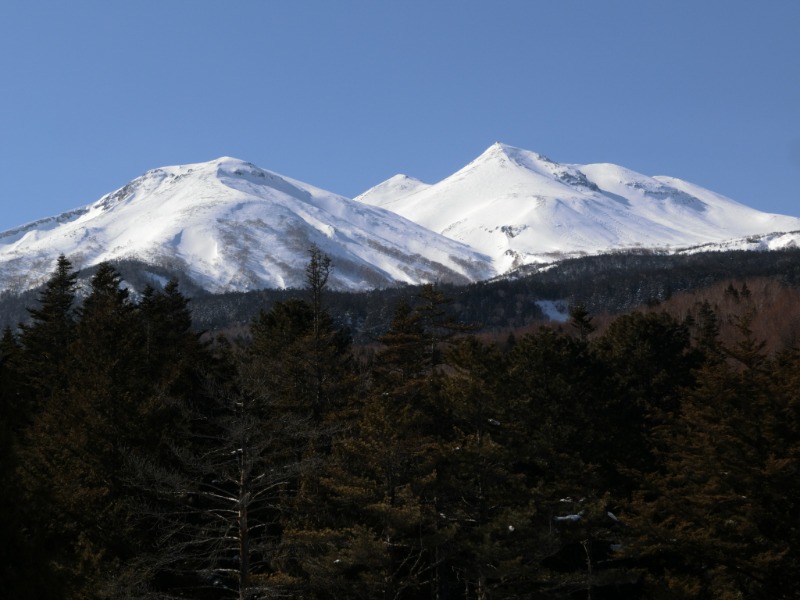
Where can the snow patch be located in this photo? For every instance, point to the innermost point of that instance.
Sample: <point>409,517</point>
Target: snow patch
<point>554,310</point>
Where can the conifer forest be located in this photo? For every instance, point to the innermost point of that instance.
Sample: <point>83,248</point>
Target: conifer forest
<point>652,457</point>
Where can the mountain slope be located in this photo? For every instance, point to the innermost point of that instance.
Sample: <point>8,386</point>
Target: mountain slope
<point>519,207</point>
<point>229,225</point>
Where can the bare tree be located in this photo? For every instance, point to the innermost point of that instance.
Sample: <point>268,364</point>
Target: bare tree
<point>215,503</point>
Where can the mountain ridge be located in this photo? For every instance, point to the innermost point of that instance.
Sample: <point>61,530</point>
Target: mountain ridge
<point>234,226</point>
<point>229,225</point>
<point>520,207</point>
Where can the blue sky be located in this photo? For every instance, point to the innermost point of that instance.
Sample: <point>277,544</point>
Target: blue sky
<point>344,94</point>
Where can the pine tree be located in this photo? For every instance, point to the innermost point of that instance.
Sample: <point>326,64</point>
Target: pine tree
<point>40,372</point>
<point>73,466</point>
<point>484,499</point>
<point>21,573</point>
<point>304,362</point>
<point>46,339</point>
<point>714,522</point>
<point>382,535</point>
<point>175,364</point>
<point>555,382</point>
<point>318,270</point>
<point>581,321</point>
<point>707,328</point>
<point>12,413</point>
<point>648,360</point>
<point>438,324</point>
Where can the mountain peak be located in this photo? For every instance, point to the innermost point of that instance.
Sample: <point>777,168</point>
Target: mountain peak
<point>503,155</point>
<point>232,164</point>
<point>396,187</point>
<point>230,159</point>
<point>498,150</point>
<point>228,225</point>
<point>221,165</point>
<point>519,207</point>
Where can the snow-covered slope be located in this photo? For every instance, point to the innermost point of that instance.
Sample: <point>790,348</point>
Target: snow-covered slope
<point>230,225</point>
<point>519,207</point>
<point>393,188</point>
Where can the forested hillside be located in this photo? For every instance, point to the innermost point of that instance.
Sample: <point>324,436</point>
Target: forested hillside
<point>606,284</point>
<point>656,457</point>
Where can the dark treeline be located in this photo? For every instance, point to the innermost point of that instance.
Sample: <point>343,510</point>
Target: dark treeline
<point>609,283</point>
<point>604,284</point>
<point>649,460</point>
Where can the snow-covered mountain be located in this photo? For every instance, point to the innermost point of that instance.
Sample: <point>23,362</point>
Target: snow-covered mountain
<point>229,225</point>
<point>520,207</point>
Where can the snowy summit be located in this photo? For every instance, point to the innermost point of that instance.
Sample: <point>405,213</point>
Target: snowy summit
<point>228,225</point>
<point>519,207</point>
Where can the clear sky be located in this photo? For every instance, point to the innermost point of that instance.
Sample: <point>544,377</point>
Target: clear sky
<point>344,94</point>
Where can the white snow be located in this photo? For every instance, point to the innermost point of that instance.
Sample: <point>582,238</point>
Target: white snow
<point>554,310</point>
<point>570,518</point>
<point>392,190</point>
<point>520,207</point>
<point>230,225</point>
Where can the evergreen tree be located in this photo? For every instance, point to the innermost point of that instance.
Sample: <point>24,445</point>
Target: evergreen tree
<point>39,370</point>
<point>46,339</point>
<point>581,321</point>
<point>22,574</point>
<point>318,270</point>
<point>555,383</point>
<point>707,328</point>
<point>298,346</point>
<point>73,465</point>
<point>648,361</point>
<point>402,356</point>
<point>715,522</point>
<point>552,379</point>
<point>305,363</point>
<point>175,364</point>
<point>383,536</point>
<point>437,322</point>
<point>484,498</point>
<point>12,414</point>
